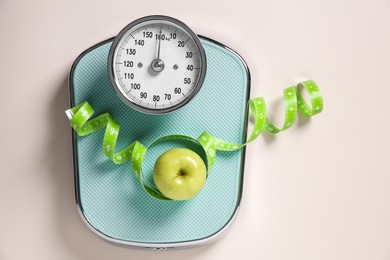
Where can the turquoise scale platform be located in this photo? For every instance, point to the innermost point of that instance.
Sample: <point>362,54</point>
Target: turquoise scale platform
<point>112,202</point>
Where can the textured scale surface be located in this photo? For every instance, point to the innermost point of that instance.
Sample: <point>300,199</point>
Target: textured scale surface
<point>110,197</point>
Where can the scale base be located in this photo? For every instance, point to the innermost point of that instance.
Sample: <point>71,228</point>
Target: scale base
<point>111,201</point>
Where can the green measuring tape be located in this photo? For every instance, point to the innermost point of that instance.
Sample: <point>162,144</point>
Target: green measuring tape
<point>294,103</point>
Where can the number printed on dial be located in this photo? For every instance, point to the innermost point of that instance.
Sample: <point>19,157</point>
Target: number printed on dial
<point>157,64</point>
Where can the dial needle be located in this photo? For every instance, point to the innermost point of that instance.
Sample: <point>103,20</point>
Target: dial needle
<point>159,45</point>
<point>158,64</point>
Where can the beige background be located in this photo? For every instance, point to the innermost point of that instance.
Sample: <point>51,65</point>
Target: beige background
<point>318,191</point>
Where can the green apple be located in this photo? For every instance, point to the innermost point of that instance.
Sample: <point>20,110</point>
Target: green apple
<point>179,174</point>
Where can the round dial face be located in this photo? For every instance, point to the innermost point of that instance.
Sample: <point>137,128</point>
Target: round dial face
<point>157,64</point>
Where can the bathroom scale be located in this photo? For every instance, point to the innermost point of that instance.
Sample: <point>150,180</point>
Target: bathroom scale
<point>109,198</point>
